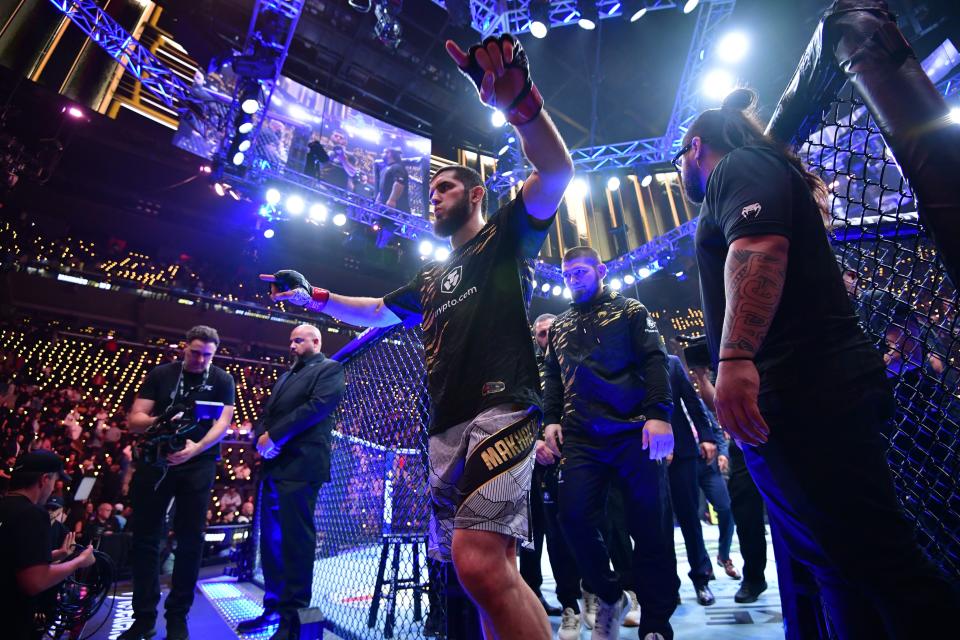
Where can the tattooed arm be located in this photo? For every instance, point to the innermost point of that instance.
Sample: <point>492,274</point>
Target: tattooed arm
<point>754,275</point>
<point>753,279</point>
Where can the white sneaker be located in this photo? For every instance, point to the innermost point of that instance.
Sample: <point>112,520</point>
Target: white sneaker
<point>609,619</point>
<point>632,618</point>
<point>654,636</point>
<point>569,625</point>
<point>588,614</point>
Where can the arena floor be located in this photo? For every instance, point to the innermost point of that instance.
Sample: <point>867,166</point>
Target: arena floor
<point>221,602</point>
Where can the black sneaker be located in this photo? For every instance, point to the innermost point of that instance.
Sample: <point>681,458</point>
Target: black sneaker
<point>177,629</point>
<point>140,630</point>
<point>749,592</point>
<point>262,621</point>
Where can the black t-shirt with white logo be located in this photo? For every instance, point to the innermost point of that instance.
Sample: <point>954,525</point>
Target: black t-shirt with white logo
<point>814,337</point>
<point>473,312</point>
<point>162,380</point>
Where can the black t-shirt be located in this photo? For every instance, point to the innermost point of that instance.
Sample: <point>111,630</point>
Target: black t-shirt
<point>395,173</point>
<point>814,337</point>
<point>473,311</point>
<point>24,543</point>
<point>161,382</point>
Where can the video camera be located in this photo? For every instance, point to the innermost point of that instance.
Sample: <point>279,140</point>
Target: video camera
<point>175,426</point>
<point>695,351</point>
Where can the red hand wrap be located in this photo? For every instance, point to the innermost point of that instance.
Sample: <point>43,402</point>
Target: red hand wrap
<point>319,298</point>
<point>526,108</point>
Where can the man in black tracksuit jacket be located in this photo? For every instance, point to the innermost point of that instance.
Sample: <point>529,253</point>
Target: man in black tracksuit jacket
<point>606,380</point>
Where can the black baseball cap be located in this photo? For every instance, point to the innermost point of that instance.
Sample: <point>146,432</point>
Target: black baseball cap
<point>54,503</point>
<point>40,461</point>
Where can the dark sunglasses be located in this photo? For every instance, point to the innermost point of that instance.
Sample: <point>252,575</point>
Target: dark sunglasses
<point>679,155</point>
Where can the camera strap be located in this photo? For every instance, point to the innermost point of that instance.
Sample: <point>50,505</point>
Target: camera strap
<point>177,388</point>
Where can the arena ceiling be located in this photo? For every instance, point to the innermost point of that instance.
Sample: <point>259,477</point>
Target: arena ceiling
<point>635,68</point>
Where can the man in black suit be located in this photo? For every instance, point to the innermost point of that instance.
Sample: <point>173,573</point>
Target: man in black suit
<point>293,437</point>
<point>684,489</point>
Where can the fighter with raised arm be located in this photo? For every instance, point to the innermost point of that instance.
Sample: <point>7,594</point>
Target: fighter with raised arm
<point>485,401</point>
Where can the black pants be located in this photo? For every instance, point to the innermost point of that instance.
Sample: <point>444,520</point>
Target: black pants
<point>587,471</point>
<point>189,485</point>
<point>824,477</point>
<point>685,495</point>
<point>546,524</point>
<point>288,542</point>
<point>616,535</point>
<point>747,506</point>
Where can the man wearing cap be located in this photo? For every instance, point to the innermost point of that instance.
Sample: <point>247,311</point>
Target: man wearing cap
<point>26,561</point>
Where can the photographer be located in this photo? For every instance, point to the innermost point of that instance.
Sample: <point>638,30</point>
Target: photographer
<point>179,469</point>
<point>26,561</point>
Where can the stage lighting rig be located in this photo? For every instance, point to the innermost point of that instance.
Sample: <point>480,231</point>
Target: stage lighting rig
<point>589,14</point>
<point>633,10</point>
<point>539,18</point>
<point>388,29</point>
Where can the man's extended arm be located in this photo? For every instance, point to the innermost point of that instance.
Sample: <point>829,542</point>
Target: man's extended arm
<point>358,311</point>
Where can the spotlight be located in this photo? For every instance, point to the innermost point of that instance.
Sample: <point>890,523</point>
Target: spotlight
<point>588,14</point>
<point>690,5</point>
<point>75,112</point>
<point>613,183</point>
<point>238,158</point>
<point>250,106</point>
<point>633,10</point>
<point>545,287</point>
<point>647,179</point>
<point>629,279</point>
<point>272,196</point>
<point>218,187</point>
<point>244,145</point>
<point>318,212</point>
<point>557,290</point>
<point>955,114</point>
<point>733,47</point>
<point>533,283</point>
<point>717,84</point>
<point>295,205</point>
<point>268,234</point>
<point>539,18</point>
<point>644,273</point>
<point>497,118</point>
<point>340,219</point>
<point>426,247</point>
<point>566,293</point>
<point>615,284</point>
<point>578,188</point>
<point>245,128</point>
<point>441,254</point>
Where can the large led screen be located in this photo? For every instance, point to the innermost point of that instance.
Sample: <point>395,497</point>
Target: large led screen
<point>308,133</point>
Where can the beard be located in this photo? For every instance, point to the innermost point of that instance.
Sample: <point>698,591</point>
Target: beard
<point>455,217</point>
<point>691,187</point>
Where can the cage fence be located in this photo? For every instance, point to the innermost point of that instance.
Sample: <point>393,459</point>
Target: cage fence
<point>371,576</point>
<point>907,304</point>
